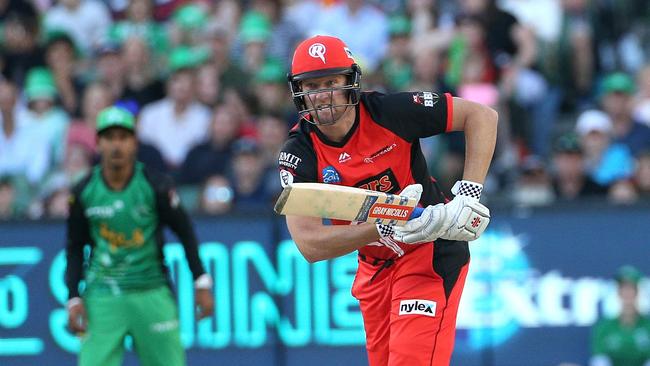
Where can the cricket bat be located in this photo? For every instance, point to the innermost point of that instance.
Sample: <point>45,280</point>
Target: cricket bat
<point>346,203</point>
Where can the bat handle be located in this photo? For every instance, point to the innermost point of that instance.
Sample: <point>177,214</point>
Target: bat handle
<point>416,212</point>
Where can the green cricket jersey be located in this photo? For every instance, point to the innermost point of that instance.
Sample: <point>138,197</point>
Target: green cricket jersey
<point>124,229</point>
<point>623,345</point>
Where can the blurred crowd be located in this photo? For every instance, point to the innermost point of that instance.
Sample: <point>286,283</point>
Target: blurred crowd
<point>207,82</point>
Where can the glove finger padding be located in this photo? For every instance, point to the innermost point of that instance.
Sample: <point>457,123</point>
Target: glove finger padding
<point>412,191</point>
<point>426,228</point>
<point>417,223</point>
<point>469,221</point>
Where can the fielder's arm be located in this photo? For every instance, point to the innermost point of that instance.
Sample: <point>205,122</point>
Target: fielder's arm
<point>172,214</point>
<point>77,237</point>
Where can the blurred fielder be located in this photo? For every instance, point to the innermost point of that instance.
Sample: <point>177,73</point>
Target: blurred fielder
<point>120,209</point>
<point>625,339</point>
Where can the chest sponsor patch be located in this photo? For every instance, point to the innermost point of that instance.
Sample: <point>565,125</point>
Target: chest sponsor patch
<point>383,151</point>
<point>385,181</point>
<point>417,307</point>
<point>105,212</point>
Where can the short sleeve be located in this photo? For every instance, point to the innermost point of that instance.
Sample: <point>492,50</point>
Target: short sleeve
<point>412,115</point>
<point>297,160</point>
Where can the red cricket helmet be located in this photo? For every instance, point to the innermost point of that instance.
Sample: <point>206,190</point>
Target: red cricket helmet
<point>322,56</point>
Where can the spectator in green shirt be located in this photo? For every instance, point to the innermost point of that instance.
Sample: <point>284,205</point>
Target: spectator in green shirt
<point>625,339</point>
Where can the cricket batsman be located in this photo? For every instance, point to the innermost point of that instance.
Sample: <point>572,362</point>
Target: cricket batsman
<point>410,279</point>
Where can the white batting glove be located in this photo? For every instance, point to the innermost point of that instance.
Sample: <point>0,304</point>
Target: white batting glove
<point>465,218</point>
<point>429,226</point>
<point>411,191</point>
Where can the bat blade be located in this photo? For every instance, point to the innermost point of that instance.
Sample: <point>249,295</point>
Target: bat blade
<point>345,203</point>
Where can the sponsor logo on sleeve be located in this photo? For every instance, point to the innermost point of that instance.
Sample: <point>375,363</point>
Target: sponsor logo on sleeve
<point>288,160</point>
<point>427,99</point>
<point>286,178</point>
<point>417,307</point>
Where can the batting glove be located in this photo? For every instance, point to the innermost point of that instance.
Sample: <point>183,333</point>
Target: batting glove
<point>465,218</point>
<point>411,191</point>
<point>386,231</point>
<point>429,226</point>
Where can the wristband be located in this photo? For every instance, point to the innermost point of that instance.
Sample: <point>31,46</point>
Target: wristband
<point>467,189</point>
<point>73,302</point>
<point>203,282</point>
<point>385,230</point>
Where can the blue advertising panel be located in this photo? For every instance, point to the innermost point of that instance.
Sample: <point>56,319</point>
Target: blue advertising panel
<point>537,283</point>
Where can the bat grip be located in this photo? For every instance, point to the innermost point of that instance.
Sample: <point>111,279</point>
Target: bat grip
<point>416,212</point>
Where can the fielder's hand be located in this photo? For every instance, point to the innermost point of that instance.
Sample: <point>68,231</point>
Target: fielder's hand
<point>77,318</point>
<point>204,303</point>
<point>203,296</point>
<point>465,218</point>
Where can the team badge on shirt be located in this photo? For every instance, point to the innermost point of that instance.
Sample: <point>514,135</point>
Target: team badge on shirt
<point>330,175</point>
<point>427,99</point>
<point>286,178</point>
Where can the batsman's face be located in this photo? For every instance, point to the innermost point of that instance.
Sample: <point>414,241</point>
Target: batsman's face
<point>117,147</point>
<point>326,98</point>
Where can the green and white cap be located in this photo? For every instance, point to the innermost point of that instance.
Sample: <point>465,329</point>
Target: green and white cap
<point>628,273</point>
<point>115,117</point>
<point>40,84</point>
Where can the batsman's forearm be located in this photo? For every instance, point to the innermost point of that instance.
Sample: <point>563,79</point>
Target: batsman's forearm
<point>319,242</point>
<point>480,138</point>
